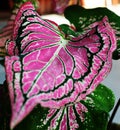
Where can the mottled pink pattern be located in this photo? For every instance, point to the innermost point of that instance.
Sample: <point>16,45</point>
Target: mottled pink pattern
<point>68,117</point>
<point>52,71</point>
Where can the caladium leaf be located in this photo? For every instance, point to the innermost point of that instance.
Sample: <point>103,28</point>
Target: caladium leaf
<point>47,69</point>
<point>96,106</point>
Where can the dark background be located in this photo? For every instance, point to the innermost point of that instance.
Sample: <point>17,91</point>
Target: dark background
<point>4,5</point>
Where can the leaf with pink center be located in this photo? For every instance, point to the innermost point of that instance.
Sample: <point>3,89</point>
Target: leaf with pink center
<point>47,69</point>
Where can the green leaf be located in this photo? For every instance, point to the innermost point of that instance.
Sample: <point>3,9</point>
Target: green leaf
<point>34,121</point>
<point>68,30</point>
<point>103,97</point>
<point>99,104</point>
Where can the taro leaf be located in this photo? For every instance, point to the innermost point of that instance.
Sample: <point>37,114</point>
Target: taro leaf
<point>81,18</point>
<point>47,69</point>
<point>98,105</point>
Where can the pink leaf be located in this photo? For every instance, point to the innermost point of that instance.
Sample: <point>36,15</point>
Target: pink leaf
<point>50,70</point>
<point>65,118</point>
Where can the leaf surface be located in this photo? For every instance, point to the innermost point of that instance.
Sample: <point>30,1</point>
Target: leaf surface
<point>82,17</point>
<point>90,114</point>
<point>45,68</point>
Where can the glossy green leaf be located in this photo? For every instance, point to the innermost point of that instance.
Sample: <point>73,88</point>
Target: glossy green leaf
<point>103,98</point>
<point>99,104</point>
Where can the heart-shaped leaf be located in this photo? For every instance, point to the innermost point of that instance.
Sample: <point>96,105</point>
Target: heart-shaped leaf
<point>47,69</point>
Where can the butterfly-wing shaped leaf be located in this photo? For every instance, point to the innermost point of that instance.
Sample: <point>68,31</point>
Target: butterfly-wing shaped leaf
<point>47,69</point>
